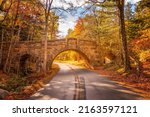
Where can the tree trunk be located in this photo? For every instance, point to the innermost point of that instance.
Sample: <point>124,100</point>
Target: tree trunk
<point>45,47</point>
<point>47,14</point>
<point>8,60</point>
<point>1,51</point>
<point>120,4</point>
<point>29,35</point>
<point>18,35</point>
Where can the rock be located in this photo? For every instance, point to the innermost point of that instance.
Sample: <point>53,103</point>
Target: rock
<point>3,93</point>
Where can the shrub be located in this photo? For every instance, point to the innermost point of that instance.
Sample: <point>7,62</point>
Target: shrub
<point>16,84</point>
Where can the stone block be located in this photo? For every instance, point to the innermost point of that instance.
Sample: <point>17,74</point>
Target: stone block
<point>3,93</point>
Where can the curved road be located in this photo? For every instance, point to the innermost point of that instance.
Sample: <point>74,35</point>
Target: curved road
<point>75,83</point>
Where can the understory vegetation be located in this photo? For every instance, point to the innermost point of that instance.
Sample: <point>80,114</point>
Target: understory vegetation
<point>24,87</point>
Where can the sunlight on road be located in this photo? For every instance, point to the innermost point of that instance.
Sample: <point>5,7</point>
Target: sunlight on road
<point>73,82</point>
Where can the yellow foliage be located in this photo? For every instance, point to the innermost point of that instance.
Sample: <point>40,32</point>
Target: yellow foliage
<point>145,55</point>
<point>146,33</point>
<point>121,70</point>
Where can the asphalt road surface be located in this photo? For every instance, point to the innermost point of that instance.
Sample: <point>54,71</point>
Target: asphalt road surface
<point>75,83</point>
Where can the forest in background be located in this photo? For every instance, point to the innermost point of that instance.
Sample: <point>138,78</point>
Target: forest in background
<point>24,20</point>
<point>103,26</point>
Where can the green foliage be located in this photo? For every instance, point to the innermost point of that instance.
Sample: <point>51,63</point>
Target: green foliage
<point>140,21</point>
<point>133,29</point>
<point>16,84</point>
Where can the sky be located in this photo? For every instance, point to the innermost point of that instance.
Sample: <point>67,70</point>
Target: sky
<point>68,21</point>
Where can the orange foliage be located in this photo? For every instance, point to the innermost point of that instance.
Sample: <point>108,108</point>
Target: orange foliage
<point>141,46</point>
<point>142,43</point>
<point>79,27</point>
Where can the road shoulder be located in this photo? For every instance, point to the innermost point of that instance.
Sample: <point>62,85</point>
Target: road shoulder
<point>139,85</point>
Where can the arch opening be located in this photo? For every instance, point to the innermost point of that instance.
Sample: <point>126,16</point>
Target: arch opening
<point>27,65</point>
<point>73,57</point>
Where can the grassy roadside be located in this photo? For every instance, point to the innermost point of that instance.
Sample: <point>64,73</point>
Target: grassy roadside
<point>35,82</point>
<point>140,85</point>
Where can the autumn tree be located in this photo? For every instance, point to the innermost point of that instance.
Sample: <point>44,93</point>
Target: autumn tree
<point>138,34</point>
<point>140,20</point>
<point>120,5</point>
<point>48,5</point>
<point>24,21</point>
<point>78,27</point>
<point>48,16</point>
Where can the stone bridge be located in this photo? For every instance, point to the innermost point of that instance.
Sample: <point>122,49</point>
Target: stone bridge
<point>21,51</point>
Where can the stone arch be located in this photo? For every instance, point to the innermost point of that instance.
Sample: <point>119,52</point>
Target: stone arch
<point>88,49</point>
<point>83,54</point>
